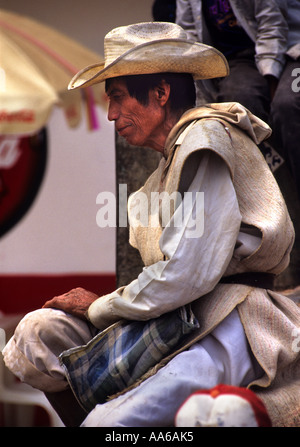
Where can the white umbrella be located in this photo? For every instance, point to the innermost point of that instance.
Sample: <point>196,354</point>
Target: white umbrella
<point>36,65</point>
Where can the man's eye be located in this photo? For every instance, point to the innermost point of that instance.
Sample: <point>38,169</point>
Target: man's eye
<point>115,96</point>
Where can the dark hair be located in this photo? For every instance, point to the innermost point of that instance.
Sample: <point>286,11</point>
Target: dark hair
<point>182,92</point>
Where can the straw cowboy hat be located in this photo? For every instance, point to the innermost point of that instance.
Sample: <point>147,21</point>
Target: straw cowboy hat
<point>152,47</point>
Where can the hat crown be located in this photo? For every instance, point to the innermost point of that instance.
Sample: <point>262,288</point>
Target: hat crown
<point>152,47</point>
<point>125,38</point>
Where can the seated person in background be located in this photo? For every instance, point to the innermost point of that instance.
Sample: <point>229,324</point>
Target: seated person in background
<point>261,41</point>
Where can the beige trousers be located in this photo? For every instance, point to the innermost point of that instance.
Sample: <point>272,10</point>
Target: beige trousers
<point>32,353</point>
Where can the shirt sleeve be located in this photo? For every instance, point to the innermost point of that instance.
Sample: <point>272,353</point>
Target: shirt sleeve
<point>196,253</point>
<point>271,37</point>
<point>185,19</point>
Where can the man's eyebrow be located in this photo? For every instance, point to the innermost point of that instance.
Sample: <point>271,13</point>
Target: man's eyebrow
<point>113,91</point>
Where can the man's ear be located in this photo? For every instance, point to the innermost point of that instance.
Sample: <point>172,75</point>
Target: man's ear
<point>162,92</point>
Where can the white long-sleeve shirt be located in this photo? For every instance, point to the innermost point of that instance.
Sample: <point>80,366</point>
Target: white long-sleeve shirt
<point>193,265</point>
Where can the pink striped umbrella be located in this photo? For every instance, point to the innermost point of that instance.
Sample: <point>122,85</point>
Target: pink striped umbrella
<point>36,65</point>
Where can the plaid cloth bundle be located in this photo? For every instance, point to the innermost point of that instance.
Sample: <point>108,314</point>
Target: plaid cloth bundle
<point>118,356</point>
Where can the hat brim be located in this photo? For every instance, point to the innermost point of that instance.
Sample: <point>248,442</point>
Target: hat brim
<point>164,55</point>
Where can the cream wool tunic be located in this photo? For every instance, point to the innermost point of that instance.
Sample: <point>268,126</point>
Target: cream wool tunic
<point>271,321</point>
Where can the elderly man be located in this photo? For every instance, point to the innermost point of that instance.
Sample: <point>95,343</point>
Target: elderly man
<point>212,262</point>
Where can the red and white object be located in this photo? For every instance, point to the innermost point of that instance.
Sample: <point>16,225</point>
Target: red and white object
<point>223,406</point>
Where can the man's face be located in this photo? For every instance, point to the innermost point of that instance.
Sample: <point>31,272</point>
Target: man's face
<point>139,124</point>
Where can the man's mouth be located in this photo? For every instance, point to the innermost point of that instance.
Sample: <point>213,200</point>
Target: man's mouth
<point>120,130</point>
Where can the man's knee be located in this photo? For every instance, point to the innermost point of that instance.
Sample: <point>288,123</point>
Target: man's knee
<point>52,328</point>
<point>39,324</point>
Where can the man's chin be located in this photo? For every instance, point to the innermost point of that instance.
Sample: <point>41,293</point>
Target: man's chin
<point>131,141</point>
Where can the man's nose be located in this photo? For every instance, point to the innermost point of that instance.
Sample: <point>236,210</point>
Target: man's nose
<point>112,113</point>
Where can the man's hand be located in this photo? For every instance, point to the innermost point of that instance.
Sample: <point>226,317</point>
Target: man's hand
<point>75,302</point>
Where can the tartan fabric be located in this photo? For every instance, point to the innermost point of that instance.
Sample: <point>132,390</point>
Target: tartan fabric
<point>118,356</point>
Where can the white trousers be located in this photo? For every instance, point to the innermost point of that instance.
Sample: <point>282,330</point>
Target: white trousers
<point>223,356</point>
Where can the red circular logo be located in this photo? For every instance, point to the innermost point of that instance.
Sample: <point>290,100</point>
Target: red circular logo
<point>22,168</point>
